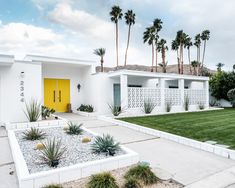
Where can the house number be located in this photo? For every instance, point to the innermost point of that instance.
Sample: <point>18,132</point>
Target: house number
<point>21,91</point>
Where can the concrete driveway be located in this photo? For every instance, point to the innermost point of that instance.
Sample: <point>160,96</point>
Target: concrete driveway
<point>190,167</point>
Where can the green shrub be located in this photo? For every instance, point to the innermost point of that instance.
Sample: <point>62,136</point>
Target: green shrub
<point>53,186</point>
<point>34,134</point>
<point>105,144</point>
<point>168,106</point>
<point>142,173</point>
<point>74,128</point>
<point>86,108</point>
<point>52,152</point>
<point>33,110</point>
<point>46,112</point>
<point>186,103</point>
<point>102,180</point>
<point>148,106</point>
<point>231,97</point>
<point>201,105</point>
<point>132,183</point>
<point>115,110</point>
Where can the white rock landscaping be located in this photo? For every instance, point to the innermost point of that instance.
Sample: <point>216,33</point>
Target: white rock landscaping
<point>78,162</point>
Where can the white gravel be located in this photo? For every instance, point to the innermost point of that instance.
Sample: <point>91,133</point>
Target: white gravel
<point>76,151</point>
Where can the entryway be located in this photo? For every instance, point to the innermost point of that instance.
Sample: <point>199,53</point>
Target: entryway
<point>57,94</point>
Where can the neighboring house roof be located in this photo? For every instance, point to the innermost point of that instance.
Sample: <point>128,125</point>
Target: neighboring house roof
<point>169,69</point>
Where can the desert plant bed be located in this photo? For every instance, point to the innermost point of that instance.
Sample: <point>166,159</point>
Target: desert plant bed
<point>76,159</point>
<point>75,150</point>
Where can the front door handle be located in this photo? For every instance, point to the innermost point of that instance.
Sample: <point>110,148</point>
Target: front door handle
<point>54,95</point>
<point>60,95</point>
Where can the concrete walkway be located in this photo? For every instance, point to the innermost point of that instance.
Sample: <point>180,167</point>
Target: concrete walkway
<point>190,167</point>
<point>8,177</point>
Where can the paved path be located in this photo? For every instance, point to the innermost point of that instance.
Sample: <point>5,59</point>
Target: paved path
<point>6,163</point>
<point>191,167</point>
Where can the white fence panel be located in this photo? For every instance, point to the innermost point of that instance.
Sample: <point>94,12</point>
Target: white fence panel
<point>195,96</point>
<point>172,96</point>
<point>137,96</point>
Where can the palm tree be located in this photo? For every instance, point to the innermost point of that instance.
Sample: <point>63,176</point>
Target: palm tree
<point>116,15</point>
<point>100,52</point>
<point>175,47</point>
<point>197,43</point>
<point>157,24</point>
<point>234,67</point>
<point>188,44</point>
<point>130,20</point>
<point>149,36</point>
<point>219,66</point>
<point>204,36</point>
<point>162,48</point>
<point>181,38</point>
<point>195,64</point>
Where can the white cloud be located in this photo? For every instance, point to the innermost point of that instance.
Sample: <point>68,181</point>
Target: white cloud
<point>20,39</point>
<point>80,21</point>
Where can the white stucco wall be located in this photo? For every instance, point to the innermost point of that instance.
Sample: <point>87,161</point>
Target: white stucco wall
<point>11,108</point>
<point>76,75</point>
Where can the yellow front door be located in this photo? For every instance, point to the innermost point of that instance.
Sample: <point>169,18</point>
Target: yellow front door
<point>57,94</point>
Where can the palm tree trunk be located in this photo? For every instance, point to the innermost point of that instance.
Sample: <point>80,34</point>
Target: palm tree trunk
<point>182,59</point>
<point>102,64</point>
<point>156,60</point>
<point>163,60</point>
<point>117,43</point>
<point>204,51</point>
<point>152,57</point>
<point>178,61</point>
<point>128,41</point>
<point>189,60</point>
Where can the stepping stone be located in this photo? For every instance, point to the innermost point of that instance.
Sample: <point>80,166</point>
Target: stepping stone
<point>222,145</point>
<point>211,142</point>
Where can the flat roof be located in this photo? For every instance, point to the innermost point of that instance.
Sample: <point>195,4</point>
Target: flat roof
<point>6,60</point>
<point>117,73</point>
<point>56,60</point>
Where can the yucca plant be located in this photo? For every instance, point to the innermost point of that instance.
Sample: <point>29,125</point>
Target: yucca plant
<point>52,152</point>
<point>143,173</point>
<point>168,106</point>
<point>186,103</point>
<point>53,186</point>
<point>73,128</point>
<point>148,106</point>
<point>34,134</point>
<point>33,110</point>
<point>115,110</point>
<point>105,144</point>
<point>201,105</point>
<point>102,180</point>
<point>132,183</point>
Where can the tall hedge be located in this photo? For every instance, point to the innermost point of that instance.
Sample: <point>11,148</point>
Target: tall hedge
<point>221,83</point>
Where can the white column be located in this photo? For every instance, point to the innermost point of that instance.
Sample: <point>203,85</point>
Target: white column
<point>206,87</point>
<point>162,93</point>
<point>181,88</point>
<point>124,91</point>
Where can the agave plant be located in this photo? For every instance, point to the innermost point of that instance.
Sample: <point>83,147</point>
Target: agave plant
<point>34,134</point>
<point>46,112</point>
<point>148,106</point>
<point>115,110</point>
<point>73,128</point>
<point>33,110</point>
<point>105,144</point>
<point>186,103</point>
<point>52,152</point>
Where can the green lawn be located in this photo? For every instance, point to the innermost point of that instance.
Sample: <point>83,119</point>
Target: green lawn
<point>208,125</point>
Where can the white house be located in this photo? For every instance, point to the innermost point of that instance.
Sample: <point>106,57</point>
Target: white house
<point>56,82</point>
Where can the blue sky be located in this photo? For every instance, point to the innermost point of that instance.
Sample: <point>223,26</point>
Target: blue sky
<point>73,28</point>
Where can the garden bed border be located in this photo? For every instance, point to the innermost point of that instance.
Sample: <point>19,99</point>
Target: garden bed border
<point>64,174</point>
<point>224,152</point>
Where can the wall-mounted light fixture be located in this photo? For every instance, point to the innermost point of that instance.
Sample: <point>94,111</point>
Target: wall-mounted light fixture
<point>22,74</point>
<point>79,87</point>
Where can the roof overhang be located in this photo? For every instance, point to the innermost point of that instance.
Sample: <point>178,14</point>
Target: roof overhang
<point>58,61</point>
<point>152,75</point>
<point>6,60</point>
